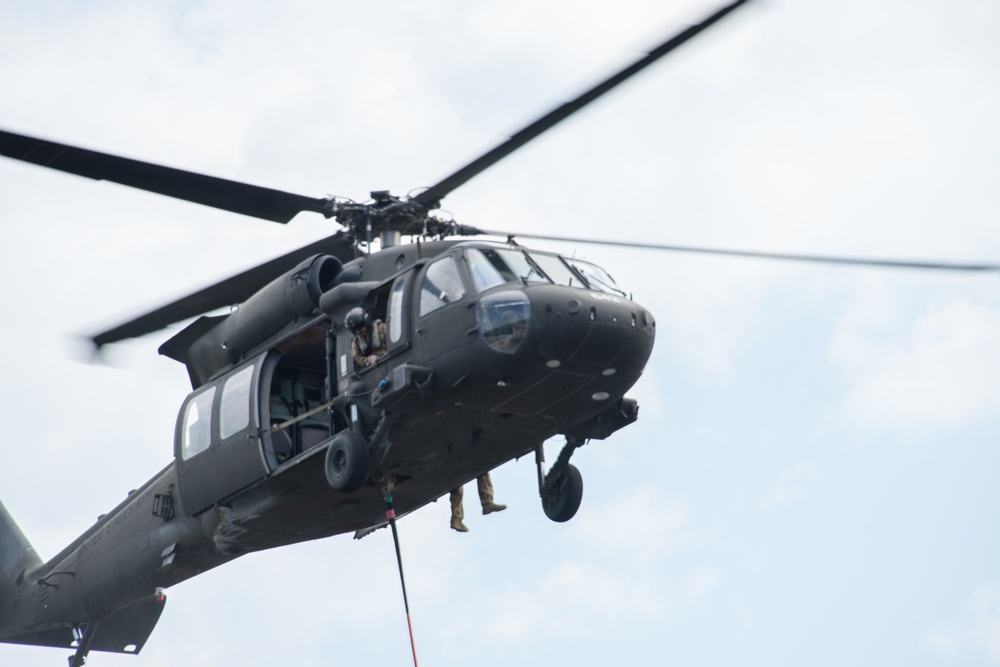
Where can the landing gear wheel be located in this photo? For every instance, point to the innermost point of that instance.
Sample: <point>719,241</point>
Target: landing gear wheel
<point>563,494</point>
<point>347,462</point>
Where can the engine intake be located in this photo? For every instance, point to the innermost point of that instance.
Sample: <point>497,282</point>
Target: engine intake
<point>212,343</point>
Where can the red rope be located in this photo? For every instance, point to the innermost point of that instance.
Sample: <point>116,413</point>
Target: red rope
<point>413,645</point>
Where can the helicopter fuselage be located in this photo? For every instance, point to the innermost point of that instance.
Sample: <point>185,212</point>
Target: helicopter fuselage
<point>490,350</point>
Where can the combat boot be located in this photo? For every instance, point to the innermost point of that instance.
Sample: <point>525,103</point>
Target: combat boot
<point>491,507</point>
<point>457,524</point>
<point>486,495</point>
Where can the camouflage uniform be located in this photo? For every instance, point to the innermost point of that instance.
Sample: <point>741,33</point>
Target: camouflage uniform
<point>485,485</point>
<point>364,346</point>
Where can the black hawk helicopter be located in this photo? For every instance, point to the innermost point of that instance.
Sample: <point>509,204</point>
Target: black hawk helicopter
<point>491,349</point>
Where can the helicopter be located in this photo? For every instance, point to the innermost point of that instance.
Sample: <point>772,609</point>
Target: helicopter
<point>488,351</point>
<point>205,370</point>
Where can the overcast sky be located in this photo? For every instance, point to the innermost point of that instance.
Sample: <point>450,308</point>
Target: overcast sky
<point>812,479</point>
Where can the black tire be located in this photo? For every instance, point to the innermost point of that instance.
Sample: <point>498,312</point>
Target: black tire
<point>563,495</point>
<point>347,462</point>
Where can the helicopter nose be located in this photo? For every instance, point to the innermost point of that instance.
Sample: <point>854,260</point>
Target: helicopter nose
<point>578,353</point>
<point>593,332</point>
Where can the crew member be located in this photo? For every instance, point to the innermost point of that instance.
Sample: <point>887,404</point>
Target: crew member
<point>485,485</point>
<point>369,342</point>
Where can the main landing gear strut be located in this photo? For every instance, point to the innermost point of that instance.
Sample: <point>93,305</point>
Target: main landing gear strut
<point>562,488</point>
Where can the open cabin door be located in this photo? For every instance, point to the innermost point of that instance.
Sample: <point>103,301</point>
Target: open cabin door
<point>217,441</point>
<point>297,419</point>
<point>294,393</point>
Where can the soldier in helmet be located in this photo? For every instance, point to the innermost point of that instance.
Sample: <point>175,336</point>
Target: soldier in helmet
<point>369,342</point>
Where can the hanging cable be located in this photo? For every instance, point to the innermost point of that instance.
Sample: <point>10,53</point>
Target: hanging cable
<point>390,514</point>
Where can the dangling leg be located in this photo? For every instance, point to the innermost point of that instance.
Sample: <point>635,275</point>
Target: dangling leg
<point>486,495</point>
<point>457,514</point>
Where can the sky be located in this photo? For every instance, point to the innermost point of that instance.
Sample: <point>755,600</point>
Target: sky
<point>812,476</point>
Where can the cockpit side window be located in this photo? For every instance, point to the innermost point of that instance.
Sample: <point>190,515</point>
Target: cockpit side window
<point>396,301</point>
<point>442,285</point>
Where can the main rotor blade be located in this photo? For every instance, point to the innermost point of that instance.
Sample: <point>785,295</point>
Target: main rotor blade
<point>794,257</point>
<point>228,292</point>
<point>252,200</point>
<point>430,197</point>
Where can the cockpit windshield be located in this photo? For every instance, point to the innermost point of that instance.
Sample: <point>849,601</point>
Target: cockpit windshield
<point>597,278</point>
<point>556,270</point>
<point>496,266</point>
<point>492,266</point>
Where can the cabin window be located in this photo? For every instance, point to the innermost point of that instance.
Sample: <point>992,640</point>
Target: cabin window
<point>234,412</point>
<point>442,285</point>
<point>196,433</point>
<point>396,309</point>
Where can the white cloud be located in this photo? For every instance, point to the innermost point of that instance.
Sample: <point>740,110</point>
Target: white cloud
<point>913,373</point>
<point>701,582</point>
<point>625,543</point>
<point>974,631</point>
<point>571,597</point>
<point>791,485</point>
<point>639,529</point>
